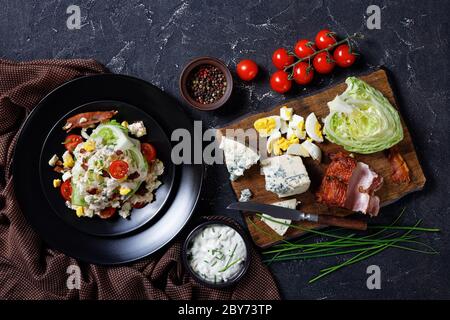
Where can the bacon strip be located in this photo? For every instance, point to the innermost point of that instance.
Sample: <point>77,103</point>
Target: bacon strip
<point>85,119</point>
<point>400,170</point>
<point>350,184</point>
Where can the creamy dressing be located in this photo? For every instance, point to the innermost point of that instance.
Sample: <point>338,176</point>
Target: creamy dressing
<point>217,253</point>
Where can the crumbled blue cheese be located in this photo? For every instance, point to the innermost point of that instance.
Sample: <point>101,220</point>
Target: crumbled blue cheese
<point>238,157</point>
<point>246,194</point>
<point>53,160</point>
<point>285,175</point>
<point>281,225</point>
<point>137,129</point>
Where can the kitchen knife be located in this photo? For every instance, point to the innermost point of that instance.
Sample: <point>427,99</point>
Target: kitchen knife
<point>296,215</point>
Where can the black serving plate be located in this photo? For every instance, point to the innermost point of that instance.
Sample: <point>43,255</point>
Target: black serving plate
<point>95,240</point>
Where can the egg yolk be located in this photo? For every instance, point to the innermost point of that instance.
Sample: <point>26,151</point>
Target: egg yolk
<point>317,130</point>
<point>265,125</point>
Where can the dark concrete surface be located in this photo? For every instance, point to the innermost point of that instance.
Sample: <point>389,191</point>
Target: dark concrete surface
<point>153,40</point>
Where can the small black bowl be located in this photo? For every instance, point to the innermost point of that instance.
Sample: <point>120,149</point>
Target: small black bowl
<point>186,73</point>
<point>199,279</point>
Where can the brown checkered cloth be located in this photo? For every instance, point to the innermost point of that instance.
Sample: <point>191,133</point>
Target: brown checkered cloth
<point>30,270</point>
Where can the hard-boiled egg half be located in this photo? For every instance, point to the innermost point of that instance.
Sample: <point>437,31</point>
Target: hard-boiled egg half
<point>313,128</point>
<point>267,126</point>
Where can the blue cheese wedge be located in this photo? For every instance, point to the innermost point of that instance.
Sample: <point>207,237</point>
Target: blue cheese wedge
<point>246,194</point>
<point>281,225</point>
<point>238,157</point>
<point>285,175</point>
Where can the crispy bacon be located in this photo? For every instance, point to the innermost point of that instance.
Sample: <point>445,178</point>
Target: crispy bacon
<point>400,170</point>
<point>350,184</point>
<point>85,119</point>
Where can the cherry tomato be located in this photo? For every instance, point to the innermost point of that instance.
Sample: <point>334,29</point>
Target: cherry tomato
<point>72,141</point>
<point>325,38</point>
<point>118,169</point>
<point>66,190</point>
<point>343,56</point>
<point>149,151</point>
<point>279,81</point>
<point>323,63</point>
<point>304,48</point>
<point>139,205</point>
<point>247,70</point>
<point>303,73</point>
<point>281,58</point>
<point>107,213</point>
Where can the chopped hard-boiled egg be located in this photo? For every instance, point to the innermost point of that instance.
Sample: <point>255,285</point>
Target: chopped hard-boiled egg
<point>286,113</point>
<point>270,141</point>
<point>68,161</point>
<point>297,124</point>
<point>79,211</point>
<point>284,127</point>
<point>267,126</point>
<point>56,183</point>
<point>89,145</point>
<point>124,191</point>
<point>313,128</point>
<point>313,150</point>
<point>53,160</point>
<point>297,149</point>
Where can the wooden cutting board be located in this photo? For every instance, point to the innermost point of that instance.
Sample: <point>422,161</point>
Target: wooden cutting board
<point>262,234</point>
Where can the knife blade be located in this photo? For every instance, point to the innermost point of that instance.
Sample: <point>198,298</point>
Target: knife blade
<point>274,211</point>
<point>296,215</point>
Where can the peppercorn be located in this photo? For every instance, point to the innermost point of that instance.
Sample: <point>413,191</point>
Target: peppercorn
<point>207,84</point>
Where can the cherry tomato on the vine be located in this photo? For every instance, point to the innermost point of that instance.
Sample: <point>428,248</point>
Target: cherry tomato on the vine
<point>303,73</point>
<point>247,70</point>
<point>323,63</point>
<point>279,81</point>
<point>281,58</point>
<point>325,38</point>
<point>343,56</point>
<point>304,48</point>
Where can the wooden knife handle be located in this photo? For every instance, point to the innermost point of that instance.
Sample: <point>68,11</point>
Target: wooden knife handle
<point>342,222</point>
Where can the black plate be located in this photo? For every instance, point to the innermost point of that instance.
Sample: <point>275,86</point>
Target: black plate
<point>116,225</point>
<point>95,240</point>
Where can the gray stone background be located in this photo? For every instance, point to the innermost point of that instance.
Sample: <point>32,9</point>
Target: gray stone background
<point>153,40</point>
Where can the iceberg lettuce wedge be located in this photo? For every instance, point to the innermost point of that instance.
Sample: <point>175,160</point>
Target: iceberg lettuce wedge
<point>362,120</point>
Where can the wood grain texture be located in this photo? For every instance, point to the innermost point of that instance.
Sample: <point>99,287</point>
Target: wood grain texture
<point>263,235</point>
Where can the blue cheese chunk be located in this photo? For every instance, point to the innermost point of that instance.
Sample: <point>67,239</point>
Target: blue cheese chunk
<point>280,226</point>
<point>285,175</point>
<point>238,157</point>
<point>246,194</point>
<point>137,129</point>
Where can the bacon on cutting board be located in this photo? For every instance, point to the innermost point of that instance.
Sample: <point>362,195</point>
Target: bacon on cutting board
<point>400,170</point>
<point>350,184</point>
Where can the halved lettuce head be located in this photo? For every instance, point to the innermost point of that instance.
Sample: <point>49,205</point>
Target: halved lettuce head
<point>362,120</point>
